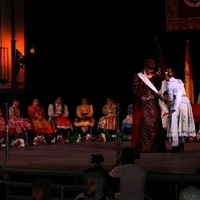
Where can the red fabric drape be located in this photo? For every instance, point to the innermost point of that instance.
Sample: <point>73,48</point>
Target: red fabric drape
<point>196,111</point>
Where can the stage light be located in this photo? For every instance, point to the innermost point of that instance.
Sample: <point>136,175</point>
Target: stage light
<point>32,50</point>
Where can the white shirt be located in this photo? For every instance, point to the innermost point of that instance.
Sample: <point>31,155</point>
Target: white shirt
<point>132,181</point>
<point>176,92</point>
<point>58,110</point>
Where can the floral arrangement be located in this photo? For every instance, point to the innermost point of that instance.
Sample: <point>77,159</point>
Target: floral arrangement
<point>18,142</point>
<point>59,139</point>
<point>78,139</point>
<point>102,137</point>
<point>39,140</point>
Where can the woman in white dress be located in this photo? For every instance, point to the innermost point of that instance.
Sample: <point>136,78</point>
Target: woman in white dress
<point>181,122</point>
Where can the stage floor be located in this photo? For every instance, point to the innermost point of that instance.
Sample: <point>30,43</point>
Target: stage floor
<point>76,157</point>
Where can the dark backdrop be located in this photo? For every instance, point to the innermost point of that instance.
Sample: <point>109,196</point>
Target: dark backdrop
<point>93,49</point>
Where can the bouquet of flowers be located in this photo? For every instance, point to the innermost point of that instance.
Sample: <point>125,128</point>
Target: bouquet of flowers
<point>39,140</point>
<point>59,139</point>
<point>18,142</point>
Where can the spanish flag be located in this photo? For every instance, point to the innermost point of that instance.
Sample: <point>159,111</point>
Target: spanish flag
<point>188,75</point>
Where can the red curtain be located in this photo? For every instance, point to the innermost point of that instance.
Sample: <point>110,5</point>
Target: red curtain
<point>196,111</point>
<point>182,15</point>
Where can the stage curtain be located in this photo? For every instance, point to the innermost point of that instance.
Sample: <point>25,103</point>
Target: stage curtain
<point>188,83</point>
<point>196,111</point>
<point>182,15</point>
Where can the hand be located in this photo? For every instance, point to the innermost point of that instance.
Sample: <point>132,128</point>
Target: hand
<point>119,160</point>
<point>158,72</point>
<point>144,99</point>
<point>165,114</point>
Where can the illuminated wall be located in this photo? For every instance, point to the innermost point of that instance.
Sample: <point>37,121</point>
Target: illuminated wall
<point>5,39</point>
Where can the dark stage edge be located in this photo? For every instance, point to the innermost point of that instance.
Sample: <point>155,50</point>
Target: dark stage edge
<point>75,158</point>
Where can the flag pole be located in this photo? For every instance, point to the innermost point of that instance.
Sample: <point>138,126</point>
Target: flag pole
<point>162,66</point>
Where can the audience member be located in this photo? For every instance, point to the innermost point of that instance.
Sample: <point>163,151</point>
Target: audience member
<point>132,177</point>
<point>41,189</point>
<point>190,193</point>
<point>92,187</point>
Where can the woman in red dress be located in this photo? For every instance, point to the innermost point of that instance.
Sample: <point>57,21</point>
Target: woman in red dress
<point>37,119</point>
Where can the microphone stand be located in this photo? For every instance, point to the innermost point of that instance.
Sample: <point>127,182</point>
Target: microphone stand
<point>118,134</point>
<point>7,138</point>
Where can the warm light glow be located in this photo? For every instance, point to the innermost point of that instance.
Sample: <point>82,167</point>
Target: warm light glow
<point>32,50</point>
<point>5,30</point>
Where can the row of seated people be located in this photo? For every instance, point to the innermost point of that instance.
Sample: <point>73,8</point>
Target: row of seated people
<point>58,122</point>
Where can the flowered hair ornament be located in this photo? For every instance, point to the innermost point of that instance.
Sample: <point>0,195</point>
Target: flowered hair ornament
<point>169,72</point>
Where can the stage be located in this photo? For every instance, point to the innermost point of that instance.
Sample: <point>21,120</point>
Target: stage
<point>74,158</point>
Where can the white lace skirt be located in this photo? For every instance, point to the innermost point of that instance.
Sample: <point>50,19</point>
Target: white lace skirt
<point>181,123</point>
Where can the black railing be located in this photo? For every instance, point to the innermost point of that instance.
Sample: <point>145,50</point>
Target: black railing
<point>4,65</point>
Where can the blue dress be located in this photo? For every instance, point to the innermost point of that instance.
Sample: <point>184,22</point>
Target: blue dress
<point>128,121</point>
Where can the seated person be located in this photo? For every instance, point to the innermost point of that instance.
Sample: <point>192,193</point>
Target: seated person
<point>17,124</point>
<point>93,186</point>
<point>40,125</point>
<point>127,122</point>
<point>108,121</point>
<point>84,114</point>
<point>2,127</point>
<point>40,189</point>
<point>58,117</point>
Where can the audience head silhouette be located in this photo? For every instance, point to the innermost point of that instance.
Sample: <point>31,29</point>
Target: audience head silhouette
<point>40,189</point>
<point>190,193</point>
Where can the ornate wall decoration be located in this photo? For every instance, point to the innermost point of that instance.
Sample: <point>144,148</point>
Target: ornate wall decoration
<point>182,15</point>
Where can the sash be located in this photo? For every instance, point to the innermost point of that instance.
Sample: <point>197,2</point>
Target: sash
<point>147,82</point>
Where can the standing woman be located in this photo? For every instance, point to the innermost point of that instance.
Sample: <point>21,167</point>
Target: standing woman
<point>147,134</point>
<point>181,122</point>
